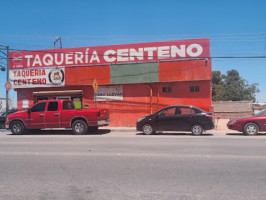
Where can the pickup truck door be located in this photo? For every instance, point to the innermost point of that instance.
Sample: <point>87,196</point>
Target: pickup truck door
<point>52,115</point>
<point>36,116</point>
<point>67,113</point>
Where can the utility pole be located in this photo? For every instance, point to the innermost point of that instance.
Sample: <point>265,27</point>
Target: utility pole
<point>7,74</point>
<point>7,78</point>
<point>60,40</point>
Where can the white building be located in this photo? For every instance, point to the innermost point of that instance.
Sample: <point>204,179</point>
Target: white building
<point>3,104</point>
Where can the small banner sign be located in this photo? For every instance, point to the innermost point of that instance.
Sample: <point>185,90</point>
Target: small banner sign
<point>110,93</point>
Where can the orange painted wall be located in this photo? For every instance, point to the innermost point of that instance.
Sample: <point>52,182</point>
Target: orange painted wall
<point>185,70</point>
<point>181,94</point>
<point>86,75</point>
<point>137,101</point>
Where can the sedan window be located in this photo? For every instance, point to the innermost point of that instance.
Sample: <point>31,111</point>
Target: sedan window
<point>263,112</point>
<point>169,112</point>
<point>187,111</point>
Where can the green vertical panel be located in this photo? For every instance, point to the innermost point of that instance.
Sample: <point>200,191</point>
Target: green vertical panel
<point>135,73</point>
<point>77,104</point>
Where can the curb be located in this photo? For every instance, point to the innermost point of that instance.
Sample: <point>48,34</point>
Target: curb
<point>122,129</point>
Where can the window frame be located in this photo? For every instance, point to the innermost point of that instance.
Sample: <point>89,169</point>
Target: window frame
<point>195,88</point>
<point>167,89</point>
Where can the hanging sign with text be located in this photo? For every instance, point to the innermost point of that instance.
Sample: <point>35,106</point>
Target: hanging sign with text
<point>31,78</point>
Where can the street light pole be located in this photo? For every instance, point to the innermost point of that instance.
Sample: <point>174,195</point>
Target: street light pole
<point>7,74</point>
<point>7,78</point>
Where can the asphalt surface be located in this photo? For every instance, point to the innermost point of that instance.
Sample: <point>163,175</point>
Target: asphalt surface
<point>127,165</point>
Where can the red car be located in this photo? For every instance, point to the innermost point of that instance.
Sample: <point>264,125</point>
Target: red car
<point>249,125</point>
<point>57,114</point>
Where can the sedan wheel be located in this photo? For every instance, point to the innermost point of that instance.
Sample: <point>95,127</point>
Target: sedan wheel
<point>251,129</point>
<point>197,129</point>
<point>147,129</point>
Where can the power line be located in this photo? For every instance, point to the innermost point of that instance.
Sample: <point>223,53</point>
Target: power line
<point>127,36</point>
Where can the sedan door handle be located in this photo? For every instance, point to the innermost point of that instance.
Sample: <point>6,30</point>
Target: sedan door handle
<point>56,114</point>
<point>41,115</point>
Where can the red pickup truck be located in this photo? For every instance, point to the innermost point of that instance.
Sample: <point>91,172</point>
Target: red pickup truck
<point>57,114</point>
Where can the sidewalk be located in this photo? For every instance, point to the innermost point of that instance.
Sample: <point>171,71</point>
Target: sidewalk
<point>121,129</point>
<point>220,128</point>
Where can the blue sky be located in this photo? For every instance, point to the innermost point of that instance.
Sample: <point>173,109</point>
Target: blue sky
<point>235,28</point>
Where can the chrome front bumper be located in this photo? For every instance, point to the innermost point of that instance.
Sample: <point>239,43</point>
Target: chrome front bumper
<point>7,126</point>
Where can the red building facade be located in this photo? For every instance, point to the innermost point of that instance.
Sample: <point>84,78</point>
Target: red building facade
<point>133,79</point>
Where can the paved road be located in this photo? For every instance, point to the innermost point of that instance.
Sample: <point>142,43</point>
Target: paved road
<point>127,166</point>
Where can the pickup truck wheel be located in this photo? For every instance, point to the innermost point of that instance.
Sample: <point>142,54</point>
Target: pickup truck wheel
<point>17,127</point>
<point>196,129</point>
<point>2,125</point>
<point>251,129</point>
<point>147,129</point>
<point>79,127</point>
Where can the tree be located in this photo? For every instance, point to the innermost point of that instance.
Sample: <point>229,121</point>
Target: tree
<point>218,90</point>
<point>231,87</point>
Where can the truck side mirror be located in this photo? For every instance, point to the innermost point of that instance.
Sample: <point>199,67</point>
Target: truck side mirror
<point>29,111</point>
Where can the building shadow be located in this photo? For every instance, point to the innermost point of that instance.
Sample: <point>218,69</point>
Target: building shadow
<point>241,134</point>
<point>177,134</point>
<point>63,132</point>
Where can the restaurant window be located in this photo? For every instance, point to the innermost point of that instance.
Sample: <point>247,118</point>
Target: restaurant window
<point>167,89</point>
<point>194,89</point>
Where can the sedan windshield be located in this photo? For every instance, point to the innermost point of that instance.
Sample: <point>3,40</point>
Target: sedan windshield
<point>260,113</point>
